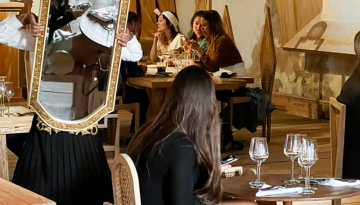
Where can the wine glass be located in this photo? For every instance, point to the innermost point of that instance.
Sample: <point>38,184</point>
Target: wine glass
<point>291,150</point>
<point>258,153</point>
<point>196,58</point>
<point>302,136</point>
<point>2,96</point>
<point>307,157</point>
<point>110,8</point>
<point>9,93</point>
<point>160,55</point>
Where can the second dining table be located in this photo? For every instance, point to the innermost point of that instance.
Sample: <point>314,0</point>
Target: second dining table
<point>156,88</point>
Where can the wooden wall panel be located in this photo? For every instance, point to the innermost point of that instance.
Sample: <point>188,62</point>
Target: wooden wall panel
<point>295,14</point>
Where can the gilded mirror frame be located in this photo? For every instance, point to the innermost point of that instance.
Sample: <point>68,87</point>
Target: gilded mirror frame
<point>85,125</point>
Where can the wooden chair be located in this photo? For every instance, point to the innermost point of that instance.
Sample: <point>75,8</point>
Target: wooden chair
<point>268,68</point>
<point>337,135</point>
<point>125,181</point>
<point>109,124</point>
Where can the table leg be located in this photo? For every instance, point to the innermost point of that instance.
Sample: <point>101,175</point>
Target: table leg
<point>287,202</point>
<point>156,97</point>
<point>4,169</point>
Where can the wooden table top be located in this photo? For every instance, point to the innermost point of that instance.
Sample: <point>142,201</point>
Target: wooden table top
<point>238,187</point>
<point>16,123</point>
<point>12,194</point>
<point>165,82</point>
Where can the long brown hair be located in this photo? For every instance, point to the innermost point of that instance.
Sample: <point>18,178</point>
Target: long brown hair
<point>189,107</point>
<point>215,26</point>
<point>192,34</point>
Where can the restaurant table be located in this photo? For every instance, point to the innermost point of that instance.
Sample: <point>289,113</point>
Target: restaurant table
<point>12,194</point>
<point>238,188</point>
<point>156,88</point>
<point>12,125</point>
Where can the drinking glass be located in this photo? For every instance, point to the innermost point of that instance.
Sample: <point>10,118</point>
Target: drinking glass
<point>196,58</point>
<point>9,93</point>
<point>110,8</point>
<point>2,97</point>
<point>307,157</point>
<point>302,136</point>
<point>160,55</point>
<point>291,150</point>
<point>258,153</point>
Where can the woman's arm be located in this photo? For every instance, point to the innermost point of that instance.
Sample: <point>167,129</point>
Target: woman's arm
<point>179,180</point>
<point>153,52</point>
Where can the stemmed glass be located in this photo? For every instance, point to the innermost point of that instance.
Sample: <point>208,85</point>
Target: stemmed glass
<point>160,55</point>
<point>291,150</point>
<point>2,96</point>
<point>302,136</point>
<point>9,93</point>
<point>196,58</point>
<point>110,8</point>
<point>258,153</point>
<point>307,157</point>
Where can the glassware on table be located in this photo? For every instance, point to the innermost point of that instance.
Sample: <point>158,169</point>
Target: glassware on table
<point>291,150</point>
<point>302,136</point>
<point>9,93</point>
<point>110,8</point>
<point>160,55</point>
<point>307,157</point>
<point>196,58</point>
<point>258,153</point>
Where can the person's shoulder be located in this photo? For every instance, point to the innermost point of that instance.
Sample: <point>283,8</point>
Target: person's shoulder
<point>178,139</point>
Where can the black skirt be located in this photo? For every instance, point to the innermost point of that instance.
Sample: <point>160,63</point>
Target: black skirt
<point>66,168</point>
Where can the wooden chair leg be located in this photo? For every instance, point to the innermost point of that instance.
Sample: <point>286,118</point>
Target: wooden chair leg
<point>268,122</point>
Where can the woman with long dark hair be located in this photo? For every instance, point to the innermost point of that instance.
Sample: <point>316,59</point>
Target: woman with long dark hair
<point>221,51</point>
<point>196,33</point>
<point>177,155</point>
<point>167,38</point>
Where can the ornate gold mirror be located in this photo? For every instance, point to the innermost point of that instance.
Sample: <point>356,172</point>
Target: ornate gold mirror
<point>75,76</point>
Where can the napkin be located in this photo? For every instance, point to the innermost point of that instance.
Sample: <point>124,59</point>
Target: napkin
<point>218,73</point>
<point>340,183</point>
<point>280,190</point>
<point>101,14</point>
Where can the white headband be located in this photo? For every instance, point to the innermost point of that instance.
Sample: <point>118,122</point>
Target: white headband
<point>171,18</point>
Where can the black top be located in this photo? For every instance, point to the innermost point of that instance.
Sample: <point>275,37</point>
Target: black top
<point>350,96</point>
<point>171,175</point>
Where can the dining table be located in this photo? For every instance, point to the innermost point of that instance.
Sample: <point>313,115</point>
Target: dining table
<point>18,122</point>
<point>156,87</point>
<point>237,188</point>
<point>12,194</point>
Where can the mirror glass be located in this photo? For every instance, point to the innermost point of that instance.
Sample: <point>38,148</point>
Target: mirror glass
<point>77,57</point>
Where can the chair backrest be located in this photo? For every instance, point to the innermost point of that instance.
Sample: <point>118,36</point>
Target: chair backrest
<point>268,57</point>
<point>125,181</point>
<point>337,132</point>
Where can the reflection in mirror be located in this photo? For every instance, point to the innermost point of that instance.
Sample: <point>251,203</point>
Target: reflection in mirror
<point>76,58</point>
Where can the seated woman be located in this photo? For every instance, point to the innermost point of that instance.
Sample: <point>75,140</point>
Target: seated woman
<point>177,156</point>
<point>196,33</point>
<point>167,38</point>
<point>221,51</point>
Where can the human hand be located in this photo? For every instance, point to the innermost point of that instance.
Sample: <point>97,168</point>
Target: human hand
<point>194,45</point>
<point>160,36</point>
<point>123,38</point>
<point>32,19</point>
<point>224,167</point>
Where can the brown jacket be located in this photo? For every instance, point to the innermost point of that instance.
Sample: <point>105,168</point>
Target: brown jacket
<point>225,54</point>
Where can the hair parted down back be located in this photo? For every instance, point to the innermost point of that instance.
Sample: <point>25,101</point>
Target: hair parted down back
<point>189,107</point>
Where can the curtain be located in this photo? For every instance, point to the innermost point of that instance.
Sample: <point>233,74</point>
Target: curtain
<point>148,17</point>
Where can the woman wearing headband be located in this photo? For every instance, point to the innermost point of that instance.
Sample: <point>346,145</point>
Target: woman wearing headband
<point>167,36</point>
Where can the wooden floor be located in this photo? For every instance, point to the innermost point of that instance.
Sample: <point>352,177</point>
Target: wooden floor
<point>277,162</point>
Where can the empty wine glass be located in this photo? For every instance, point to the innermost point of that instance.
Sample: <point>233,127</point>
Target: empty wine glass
<point>110,8</point>
<point>291,150</point>
<point>160,55</point>
<point>302,136</point>
<point>307,157</point>
<point>9,93</point>
<point>258,153</point>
